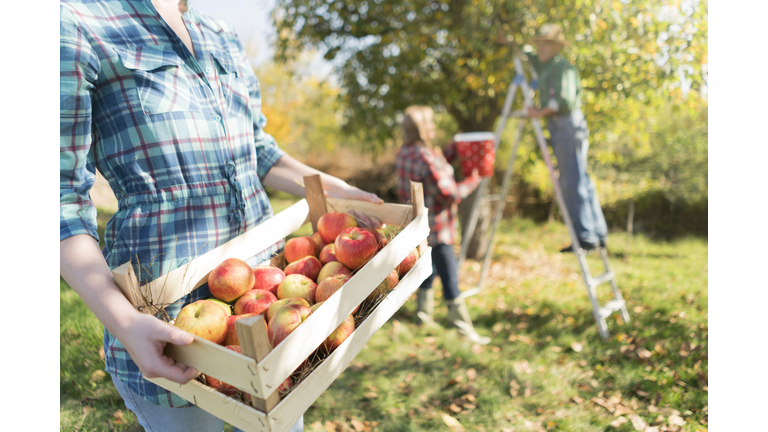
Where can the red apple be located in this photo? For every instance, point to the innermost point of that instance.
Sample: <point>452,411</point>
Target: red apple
<point>333,268</point>
<point>285,321</point>
<point>330,225</point>
<point>318,241</point>
<point>232,338</point>
<point>354,247</point>
<point>385,286</point>
<point>222,386</point>
<point>339,335</point>
<point>254,301</point>
<point>205,319</point>
<point>330,285</point>
<point>407,263</point>
<point>297,286</point>
<point>280,303</point>
<point>307,266</point>
<point>327,254</point>
<point>377,235</point>
<point>267,278</point>
<point>230,279</point>
<point>298,248</point>
<point>227,307</point>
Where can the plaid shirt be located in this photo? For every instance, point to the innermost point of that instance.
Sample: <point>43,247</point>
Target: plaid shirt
<point>179,139</point>
<point>441,192</point>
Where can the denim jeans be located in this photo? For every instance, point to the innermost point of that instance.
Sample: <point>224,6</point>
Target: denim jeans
<point>570,143</point>
<point>156,418</point>
<point>444,264</point>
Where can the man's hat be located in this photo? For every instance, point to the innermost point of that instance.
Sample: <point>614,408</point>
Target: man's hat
<point>551,32</point>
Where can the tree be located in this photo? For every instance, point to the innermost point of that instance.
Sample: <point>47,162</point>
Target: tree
<point>457,55</point>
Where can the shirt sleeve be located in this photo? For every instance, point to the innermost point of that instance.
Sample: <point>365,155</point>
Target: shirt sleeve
<point>267,150</point>
<point>567,87</point>
<point>449,191</point>
<point>77,74</point>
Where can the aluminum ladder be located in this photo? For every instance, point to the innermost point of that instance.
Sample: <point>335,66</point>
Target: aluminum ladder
<point>599,312</point>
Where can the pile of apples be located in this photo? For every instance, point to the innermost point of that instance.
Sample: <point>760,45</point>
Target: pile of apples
<point>316,267</point>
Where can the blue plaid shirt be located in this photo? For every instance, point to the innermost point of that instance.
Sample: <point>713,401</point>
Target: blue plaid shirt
<point>179,139</point>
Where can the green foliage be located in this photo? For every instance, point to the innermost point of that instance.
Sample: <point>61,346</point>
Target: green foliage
<point>457,55</point>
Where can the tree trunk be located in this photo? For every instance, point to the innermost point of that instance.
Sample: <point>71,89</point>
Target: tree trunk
<point>478,242</point>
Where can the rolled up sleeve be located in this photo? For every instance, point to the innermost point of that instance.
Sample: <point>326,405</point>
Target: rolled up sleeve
<point>78,72</point>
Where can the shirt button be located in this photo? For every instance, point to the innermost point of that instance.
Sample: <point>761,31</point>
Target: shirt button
<point>217,117</point>
<point>207,70</point>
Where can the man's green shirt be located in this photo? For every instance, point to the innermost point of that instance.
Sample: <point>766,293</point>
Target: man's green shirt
<point>560,75</point>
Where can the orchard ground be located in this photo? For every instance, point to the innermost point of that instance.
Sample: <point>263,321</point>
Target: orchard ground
<point>545,369</point>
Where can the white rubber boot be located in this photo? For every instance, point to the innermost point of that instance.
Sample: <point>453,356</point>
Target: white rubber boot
<point>458,316</point>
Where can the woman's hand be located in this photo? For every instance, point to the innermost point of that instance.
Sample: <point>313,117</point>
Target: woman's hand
<point>341,189</point>
<point>145,338</point>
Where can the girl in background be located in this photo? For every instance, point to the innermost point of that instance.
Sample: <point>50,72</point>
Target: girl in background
<point>418,160</point>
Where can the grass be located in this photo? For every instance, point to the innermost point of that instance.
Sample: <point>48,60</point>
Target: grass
<point>545,369</point>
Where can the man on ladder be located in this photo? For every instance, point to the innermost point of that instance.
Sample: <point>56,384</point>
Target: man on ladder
<point>560,102</point>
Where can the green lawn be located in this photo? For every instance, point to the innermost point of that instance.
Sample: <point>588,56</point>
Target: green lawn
<point>546,368</point>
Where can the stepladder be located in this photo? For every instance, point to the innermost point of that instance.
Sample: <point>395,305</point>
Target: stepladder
<point>600,312</point>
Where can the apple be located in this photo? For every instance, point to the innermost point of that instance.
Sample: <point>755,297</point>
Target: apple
<point>407,263</point>
<point>385,286</point>
<point>222,386</point>
<point>330,225</point>
<point>267,278</point>
<point>280,303</point>
<point>314,307</point>
<point>327,254</point>
<point>297,286</point>
<point>227,307</point>
<point>354,247</point>
<point>318,241</point>
<point>377,235</point>
<point>254,301</point>
<point>339,335</point>
<point>333,268</point>
<point>205,319</point>
<point>230,279</point>
<point>285,321</point>
<point>298,248</point>
<point>307,266</point>
<point>232,338</point>
<point>330,285</point>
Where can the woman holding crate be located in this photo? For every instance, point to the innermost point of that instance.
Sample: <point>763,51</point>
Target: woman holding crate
<point>162,101</point>
<point>418,160</point>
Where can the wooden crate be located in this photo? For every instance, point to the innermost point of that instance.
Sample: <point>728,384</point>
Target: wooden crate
<point>261,369</point>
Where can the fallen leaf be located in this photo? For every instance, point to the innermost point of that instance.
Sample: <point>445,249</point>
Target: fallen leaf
<point>522,367</point>
<point>455,408</point>
<point>534,426</point>
<point>651,429</point>
<point>87,410</point>
<point>316,425</point>
<point>410,377</point>
<point>637,422</point>
<point>577,400</point>
<point>358,425</point>
<point>644,354</point>
<point>669,412</point>
<point>556,349</point>
<point>97,376</point>
<point>477,348</point>
<point>514,386</point>
<point>622,410</point>
<point>676,420</point>
<point>101,352</point>
<point>577,346</point>
<point>619,421</point>
<point>468,397</point>
<point>685,349</point>
<point>703,379</point>
<point>471,374</point>
<point>642,393</point>
<point>330,426</point>
<point>371,395</point>
<point>528,392</point>
<point>451,422</point>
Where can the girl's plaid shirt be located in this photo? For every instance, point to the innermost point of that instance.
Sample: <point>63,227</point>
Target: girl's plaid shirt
<point>442,193</point>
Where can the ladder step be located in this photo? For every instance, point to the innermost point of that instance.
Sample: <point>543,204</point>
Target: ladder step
<point>610,307</point>
<point>603,278</point>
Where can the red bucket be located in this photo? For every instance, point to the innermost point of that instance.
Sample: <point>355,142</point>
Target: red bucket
<point>476,150</point>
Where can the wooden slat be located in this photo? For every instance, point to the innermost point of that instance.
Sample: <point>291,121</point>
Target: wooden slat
<point>254,342</point>
<point>390,214</point>
<point>219,362</point>
<point>417,199</point>
<point>292,351</point>
<point>224,407</point>
<point>174,285</point>
<point>313,189</point>
<point>288,411</point>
